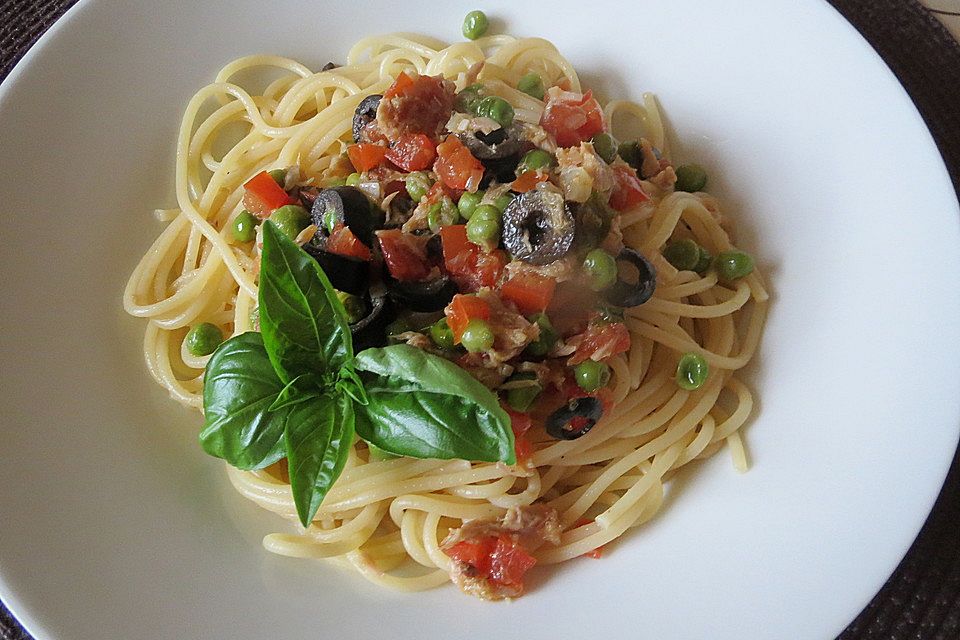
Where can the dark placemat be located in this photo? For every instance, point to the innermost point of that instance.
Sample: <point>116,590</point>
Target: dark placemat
<point>921,600</point>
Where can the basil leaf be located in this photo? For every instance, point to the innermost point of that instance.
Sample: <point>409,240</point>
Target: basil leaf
<point>423,406</point>
<point>297,390</point>
<point>303,322</point>
<point>318,434</point>
<point>239,387</point>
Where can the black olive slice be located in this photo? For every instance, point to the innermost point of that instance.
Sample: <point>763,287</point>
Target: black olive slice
<point>538,227</point>
<point>496,145</point>
<point>351,275</point>
<point>348,206</point>
<point>629,294</point>
<point>558,423</point>
<point>371,331</point>
<point>365,114</point>
<point>432,295</point>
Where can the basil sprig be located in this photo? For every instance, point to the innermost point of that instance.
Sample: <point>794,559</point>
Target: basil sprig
<point>297,391</point>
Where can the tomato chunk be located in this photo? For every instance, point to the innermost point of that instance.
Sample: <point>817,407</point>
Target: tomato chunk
<point>262,195</point>
<point>456,166</point>
<point>475,552</point>
<point>628,191</point>
<point>469,265</point>
<point>342,242</point>
<point>528,180</point>
<point>509,562</point>
<point>461,310</point>
<point>531,292</point>
<point>400,86</point>
<point>412,152</point>
<point>572,120</point>
<point>405,254</point>
<point>365,156</point>
<point>600,341</point>
<point>520,423</point>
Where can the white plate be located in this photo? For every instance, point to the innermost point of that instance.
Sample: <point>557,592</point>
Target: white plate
<point>115,525</point>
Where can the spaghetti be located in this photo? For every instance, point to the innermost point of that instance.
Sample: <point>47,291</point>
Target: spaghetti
<point>388,518</point>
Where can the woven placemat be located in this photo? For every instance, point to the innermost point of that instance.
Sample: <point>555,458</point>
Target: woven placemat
<point>921,600</point>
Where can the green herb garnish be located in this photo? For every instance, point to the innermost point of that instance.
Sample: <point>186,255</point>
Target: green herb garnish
<point>296,391</point>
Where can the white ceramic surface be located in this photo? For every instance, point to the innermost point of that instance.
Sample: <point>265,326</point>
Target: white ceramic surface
<point>115,525</point>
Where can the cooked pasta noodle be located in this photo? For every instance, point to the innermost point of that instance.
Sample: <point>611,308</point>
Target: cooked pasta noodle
<point>387,518</point>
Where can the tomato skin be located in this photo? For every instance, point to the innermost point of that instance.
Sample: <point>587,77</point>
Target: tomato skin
<point>572,121</point>
<point>603,340</point>
<point>262,195</point>
<point>342,242</point>
<point>412,152</point>
<point>461,310</point>
<point>405,254</point>
<point>456,166</point>
<point>628,192</point>
<point>509,562</point>
<point>527,181</point>
<point>365,156</point>
<point>531,292</point>
<point>469,265</point>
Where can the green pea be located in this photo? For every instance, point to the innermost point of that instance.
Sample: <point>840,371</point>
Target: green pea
<point>487,212</point>
<point>532,85</point>
<point>468,203</point>
<point>692,371</point>
<point>497,109</point>
<point>475,25</point>
<point>605,146</point>
<point>291,219</point>
<point>469,98</point>
<point>279,176</point>
<point>632,153</point>
<point>600,268</point>
<point>442,214</point>
<point>591,375</point>
<point>483,231</point>
<point>353,305</point>
<point>535,160</point>
<point>547,338</point>
<point>441,334</point>
<point>417,184</point>
<point>503,201</point>
<point>684,254</point>
<point>733,265</point>
<point>245,227</point>
<point>477,336</point>
<point>203,339</point>
<point>704,262</point>
<point>690,178</point>
<point>352,180</point>
<point>521,398</point>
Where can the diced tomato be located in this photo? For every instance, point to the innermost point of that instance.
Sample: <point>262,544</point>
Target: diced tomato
<point>475,552</point>
<point>600,341</point>
<point>342,242</point>
<point>437,192</point>
<point>399,87</point>
<point>528,180</point>
<point>628,191</point>
<point>262,195</point>
<point>469,265</point>
<point>499,559</point>
<point>405,254</point>
<point>531,292</point>
<point>365,156</point>
<point>520,423</point>
<point>509,562</point>
<point>572,121</point>
<point>456,166</point>
<point>412,152</point>
<point>461,310</point>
